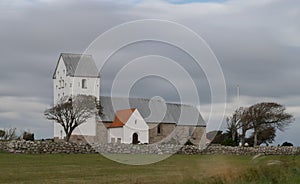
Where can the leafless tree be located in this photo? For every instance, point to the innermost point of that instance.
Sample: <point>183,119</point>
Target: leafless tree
<point>70,112</point>
<point>9,134</point>
<point>239,121</point>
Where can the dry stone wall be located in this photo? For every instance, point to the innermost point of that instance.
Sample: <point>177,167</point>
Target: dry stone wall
<point>49,147</point>
<point>228,150</point>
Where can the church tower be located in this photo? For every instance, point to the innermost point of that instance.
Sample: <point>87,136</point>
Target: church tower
<point>76,74</point>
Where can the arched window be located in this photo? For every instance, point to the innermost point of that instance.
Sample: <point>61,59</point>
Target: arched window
<point>84,83</point>
<point>158,129</point>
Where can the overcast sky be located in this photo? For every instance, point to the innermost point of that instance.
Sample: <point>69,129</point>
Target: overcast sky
<point>257,43</point>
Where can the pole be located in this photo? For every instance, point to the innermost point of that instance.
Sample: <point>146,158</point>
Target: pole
<point>238,95</point>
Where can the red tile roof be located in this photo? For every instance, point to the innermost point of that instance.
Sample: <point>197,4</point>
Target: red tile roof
<point>121,118</point>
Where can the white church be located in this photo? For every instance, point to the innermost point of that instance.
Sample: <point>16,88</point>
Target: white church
<point>78,74</point>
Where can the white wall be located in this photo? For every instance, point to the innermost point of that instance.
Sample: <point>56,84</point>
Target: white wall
<point>136,124</point>
<point>116,133</point>
<point>60,76</point>
<point>73,86</point>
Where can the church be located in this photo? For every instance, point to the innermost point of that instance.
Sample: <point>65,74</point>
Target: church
<point>125,120</point>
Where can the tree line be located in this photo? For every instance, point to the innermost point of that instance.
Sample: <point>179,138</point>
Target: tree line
<point>10,134</point>
<point>264,119</point>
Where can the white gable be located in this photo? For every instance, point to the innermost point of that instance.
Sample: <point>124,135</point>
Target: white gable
<point>134,125</point>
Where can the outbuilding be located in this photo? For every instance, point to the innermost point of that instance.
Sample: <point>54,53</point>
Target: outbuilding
<point>128,127</point>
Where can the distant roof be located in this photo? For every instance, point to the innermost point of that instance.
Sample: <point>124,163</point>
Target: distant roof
<point>121,118</point>
<point>153,111</point>
<point>78,65</point>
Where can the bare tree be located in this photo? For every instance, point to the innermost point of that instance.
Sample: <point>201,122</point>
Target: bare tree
<point>239,121</point>
<point>70,112</point>
<point>9,134</point>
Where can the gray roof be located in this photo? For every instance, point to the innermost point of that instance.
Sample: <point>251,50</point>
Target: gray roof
<point>78,65</point>
<point>153,111</point>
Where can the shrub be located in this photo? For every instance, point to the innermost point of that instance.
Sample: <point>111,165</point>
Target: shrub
<point>229,142</point>
<point>27,136</point>
<point>2,133</point>
<point>188,142</point>
<point>287,144</point>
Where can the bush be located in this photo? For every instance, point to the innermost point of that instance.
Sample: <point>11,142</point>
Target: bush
<point>229,142</point>
<point>188,142</point>
<point>2,133</point>
<point>287,144</point>
<point>27,136</point>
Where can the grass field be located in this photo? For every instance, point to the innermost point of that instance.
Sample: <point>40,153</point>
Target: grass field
<point>94,168</point>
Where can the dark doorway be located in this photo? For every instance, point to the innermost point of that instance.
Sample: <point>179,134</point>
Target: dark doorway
<point>135,138</point>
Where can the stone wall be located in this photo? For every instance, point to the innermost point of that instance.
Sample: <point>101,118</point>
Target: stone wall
<point>165,130</point>
<point>228,150</point>
<point>49,147</point>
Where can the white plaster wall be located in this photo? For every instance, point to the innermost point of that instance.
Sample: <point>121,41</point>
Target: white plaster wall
<point>136,124</point>
<point>58,92</point>
<point>93,86</point>
<point>116,133</point>
<point>60,75</point>
<point>72,86</point>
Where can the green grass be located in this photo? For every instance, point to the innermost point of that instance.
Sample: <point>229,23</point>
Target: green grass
<point>94,168</point>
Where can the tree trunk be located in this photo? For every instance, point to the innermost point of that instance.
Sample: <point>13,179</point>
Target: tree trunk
<point>255,138</point>
<point>68,136</point>
<point>243,138</point>
<point>233,135</point>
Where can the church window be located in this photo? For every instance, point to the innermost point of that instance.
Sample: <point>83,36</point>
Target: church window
<point>84,83</point>
<point>135,121</point>
<point>118,140</point>
<point>70,85</point>
<point>58,95</point>
<point>64,71</point>
<point>112,140</point>
<point>63,94</point>
<point>158,129</point>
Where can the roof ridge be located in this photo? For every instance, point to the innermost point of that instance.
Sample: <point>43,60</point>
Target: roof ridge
<point>142,98</point>
<point>69,53</point>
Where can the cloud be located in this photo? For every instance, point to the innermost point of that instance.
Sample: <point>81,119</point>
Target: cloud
<point>25,114</point>
<point>256,42</point>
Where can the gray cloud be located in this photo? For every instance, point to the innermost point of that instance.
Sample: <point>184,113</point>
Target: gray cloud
<point>256,42</point>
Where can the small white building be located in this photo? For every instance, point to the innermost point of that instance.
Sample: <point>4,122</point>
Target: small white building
<point>128,127</point>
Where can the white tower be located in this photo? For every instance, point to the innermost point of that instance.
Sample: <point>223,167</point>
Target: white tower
<point>76,74</point>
